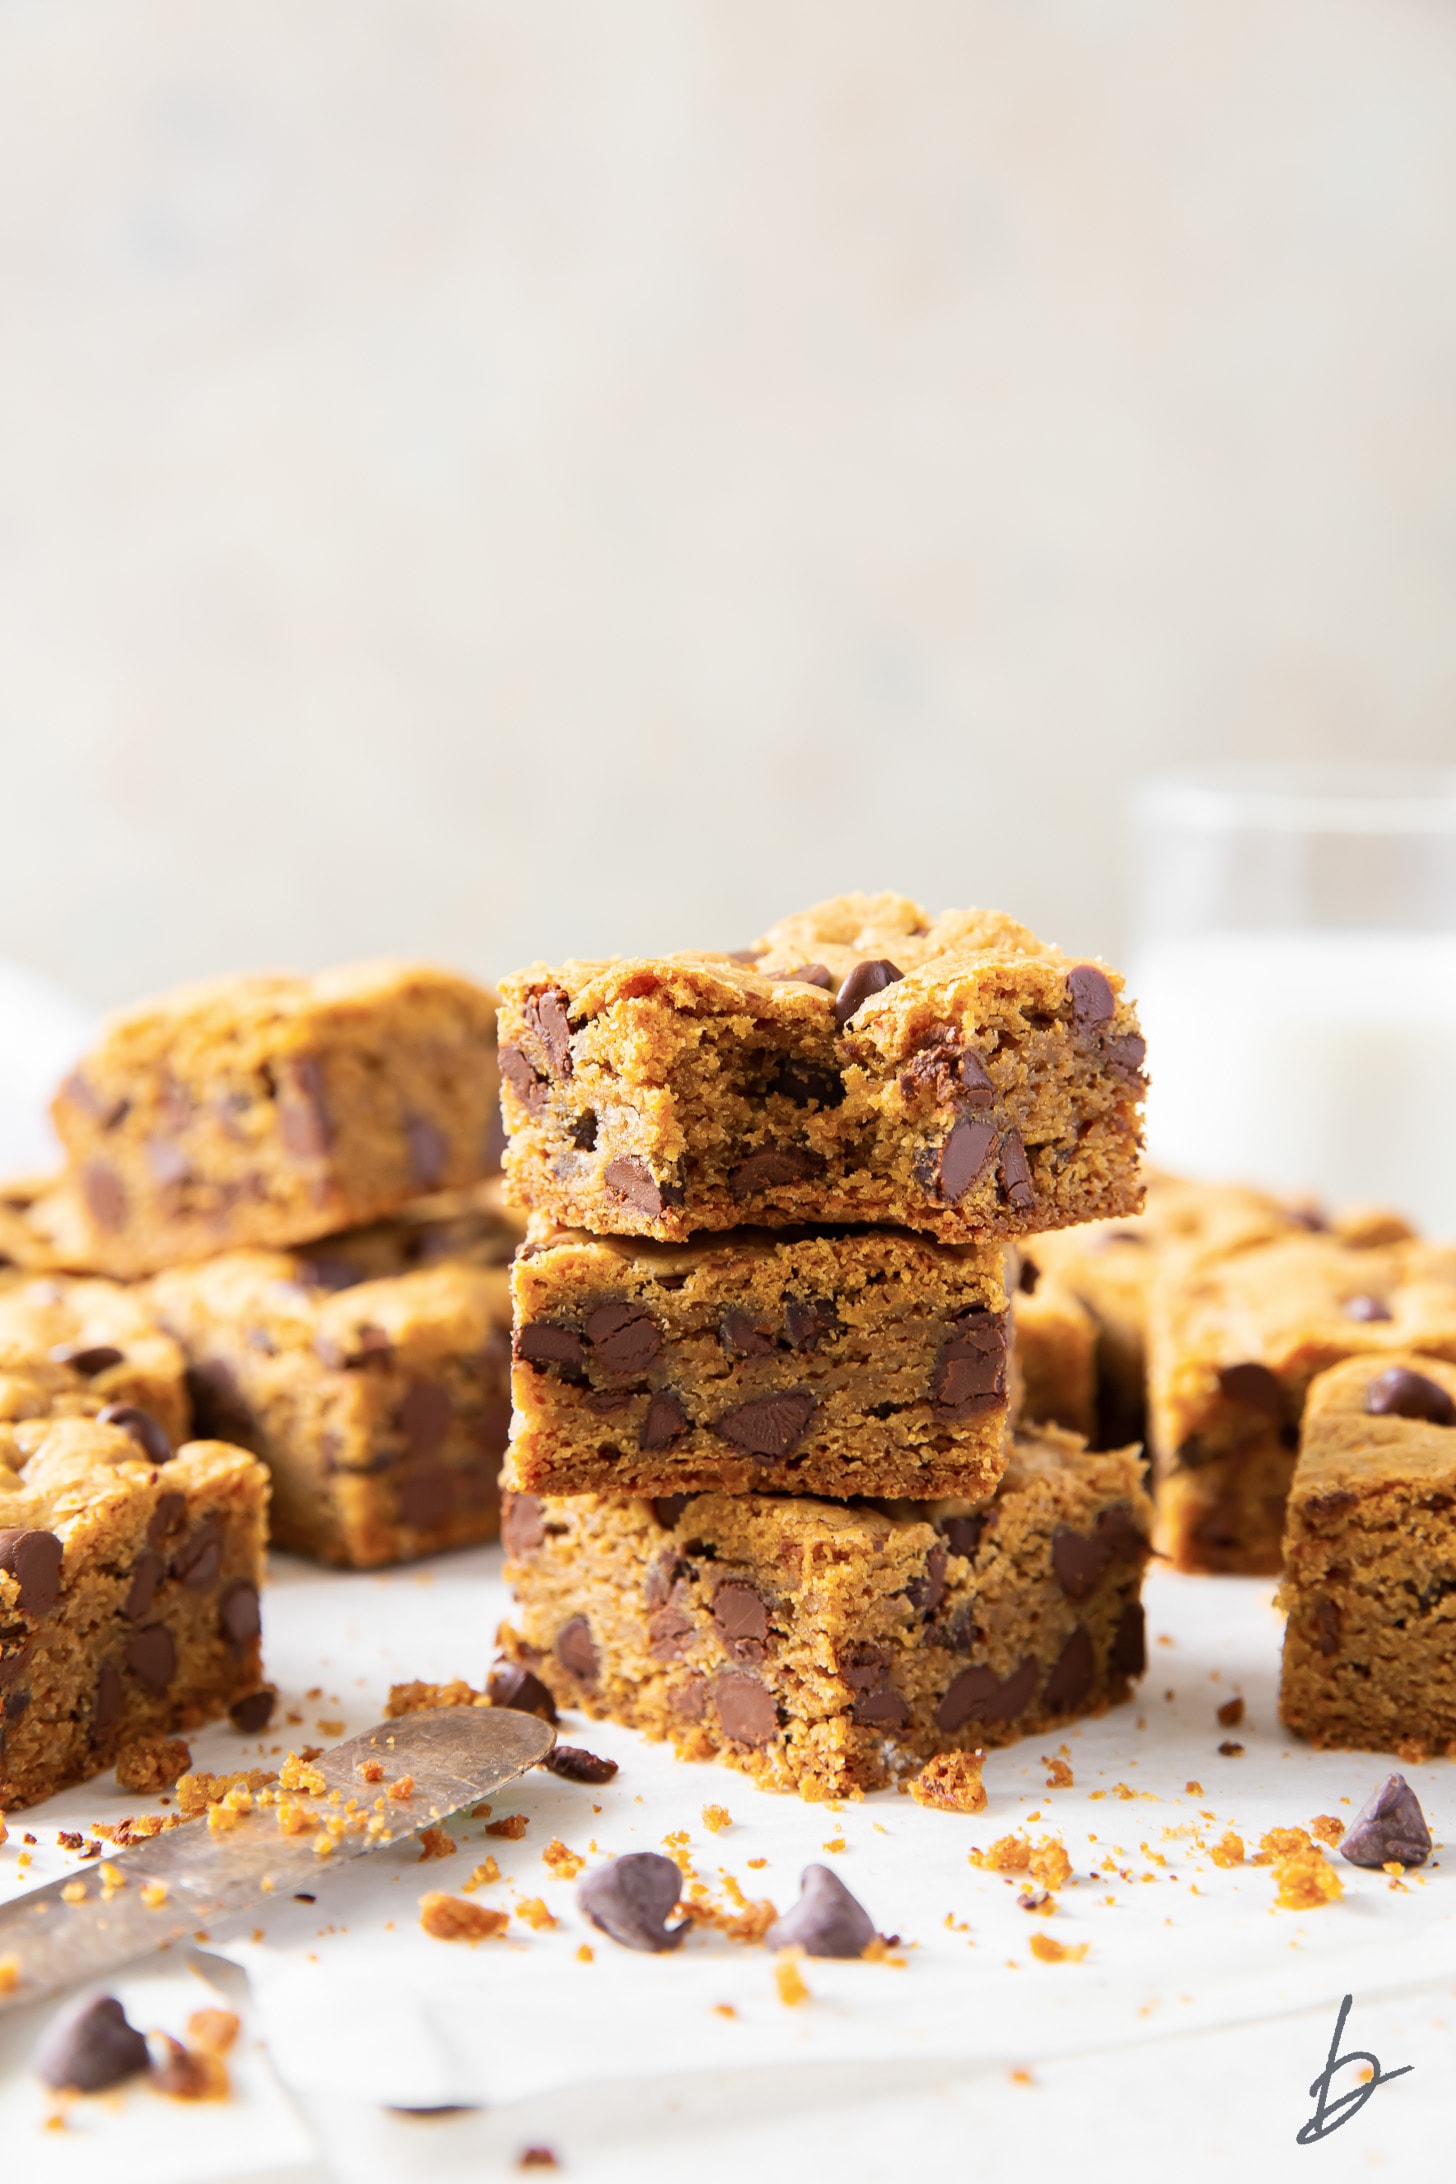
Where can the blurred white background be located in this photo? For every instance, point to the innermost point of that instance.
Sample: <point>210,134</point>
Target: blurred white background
<point>498,477</point>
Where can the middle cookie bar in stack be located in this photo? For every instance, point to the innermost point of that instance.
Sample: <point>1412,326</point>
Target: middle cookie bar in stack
<point>770,1197</point>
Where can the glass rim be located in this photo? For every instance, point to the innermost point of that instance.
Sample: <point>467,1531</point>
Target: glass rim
<point>1315,797</point>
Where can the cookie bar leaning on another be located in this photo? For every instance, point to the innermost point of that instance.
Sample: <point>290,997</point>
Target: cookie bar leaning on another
<point>833,1361</point>
<point>381,1408</point>
<point>863,1063</point>
<point>128,1595</point>
<point>271,1110</point>
<point>1370,1560</point>
<point>829,1648</point>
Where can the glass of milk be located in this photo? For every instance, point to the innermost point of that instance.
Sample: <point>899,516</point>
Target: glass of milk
<point>1295,962</point>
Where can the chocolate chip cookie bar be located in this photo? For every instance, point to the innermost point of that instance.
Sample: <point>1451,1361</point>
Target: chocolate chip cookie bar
<point>1056,1354</point>
<point>1370,1559</point>
<point>381,1407</point>
<point>863,1063</point>
<point>1233,1344</point>
<point>273,1110</point>
<point>107,1341</point>
<point>802,1361</point>
<point>128,1595</point>
<point>826,1647</point>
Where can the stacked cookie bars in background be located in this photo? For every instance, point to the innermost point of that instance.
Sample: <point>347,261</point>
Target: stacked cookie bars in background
<point>764,1495</point>
<point>273,1234</point>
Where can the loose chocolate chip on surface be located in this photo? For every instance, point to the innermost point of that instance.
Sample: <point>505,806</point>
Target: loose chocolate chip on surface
<point>633,1182</point>
<point>529,1088</point>
<point>575,1765</point>
<point>771,1169</point>
<point>237,1613</point>
<point>151,1654</point>
<point>576,1650</point>
<point>254,1711</point>
<point>1129,1652</point>
<point>1092,996</point>
<point>624,1337</point>
<point>1015,1174</point>
<point>1389,1828</point>
<point>303,1115</point>
<point>150,1437</point>
<point>631,1899</point>
<point>424,1416</point>
<point>741,1614</point>
<point>667,1508</point>
<point>666,1421</point>
<point>1079,1562</point>
<point>970,1369</point>
<point>33,1559</point>
<point>865,979</point>
<point>90,2047</point>
<point>428,1150</point>
<point>964,1157</point>
<point>105,1195</point>
<point>147,1573</point>
<point>546,1342</point>
<point>1366,1308</point>
<point>769,1426</point>
<point>827,1921</point>
<point>745,1708</point>
<point>88,1359</point>
<point>1401,1393</point>
<point>743,1337</point>
<point>198,1561</point>
<point>547,1017</point>
<point>521,1528</point>
<point>810,1321</point>
<point>509,1684</point>
<point>1071,1679</point>
<point>885,1708</point>
<point>426,1495</point>
<point>1254,1385</point>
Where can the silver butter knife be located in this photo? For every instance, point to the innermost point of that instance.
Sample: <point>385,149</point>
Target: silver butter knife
<point>167,1888</point>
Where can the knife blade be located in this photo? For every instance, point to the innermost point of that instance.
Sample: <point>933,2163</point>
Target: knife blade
<point>166,1888</point>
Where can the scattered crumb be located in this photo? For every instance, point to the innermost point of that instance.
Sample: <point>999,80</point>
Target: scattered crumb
<point>790,1981</point>
<point>836,1843</point>
<point>419,1698</point>
<point>716,1818</point>
<point>564,1863</point>
<point>213,2031</point>
<point>74,1892</point>
<point>331,1729</point>
<point>724,2009</point>
<point>1229,1852</point>
<point>436,1843</point>
<point>513,1827</point>
<point>1059,1774</point>
<point>371,1770</point>
<point>147,1768</point>
<point>402,1790</point>
<point>187,2074</point>
<point>738,1918</point>
<point>195,1792</point>
<point>951,1782</point>
<point>1193,1789</point>
<point>154,1894</point>
<point>1051,1951</point>
<point>1281,1843</point>
<point>537,2157</point>
<point>1022,2077</point>
<point>451,1918</point>
<point>1037,1899</point>
<point>534,1912</point>
<point>1229,1750</point>
<point>1327,1828</point>
<point>1231,1713</point>
<point>9,1974</point>
<point>482,1875</point>
<point>299,1774</point>
<point>585,1954</point>
<point>1046,1861</point>
<point>756,1864</point>
<point>1305,1883</point>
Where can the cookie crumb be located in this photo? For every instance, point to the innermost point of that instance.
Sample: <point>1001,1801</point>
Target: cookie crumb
<point>790,1982</point>
<point>482,1875</point>
<point>451,1918</point>
<point>564,1863</point>
<point>1059,1774</point>
<point>148,1768</point>
<point>436,1843</point>
<point>1050,1951</point>
<point>513,1827</point>
<point>716,1818</point>
<point>1229,1852</point>
<point>1328,1828</point>
<point>534,1912</point>
<point>1231,1713</point>
<point>951,1782</point>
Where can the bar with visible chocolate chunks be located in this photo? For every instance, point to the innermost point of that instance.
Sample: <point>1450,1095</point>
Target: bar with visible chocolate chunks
<point>863,1063</point>
<point>828,1647</point>
<point>803,1361</point>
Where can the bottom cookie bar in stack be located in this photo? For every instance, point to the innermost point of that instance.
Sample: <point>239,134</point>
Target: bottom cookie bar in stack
<point>829,1647</point>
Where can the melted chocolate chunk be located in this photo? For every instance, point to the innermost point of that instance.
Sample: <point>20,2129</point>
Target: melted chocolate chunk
<point>807,1085</point>
<point>547,1344</point>
<point>827,1921</point>
<point>964,1158</point>
<point>147,1573</point>
<point>303,1115</point>
<point>238,1616</point>
<point>105,1195</point>
<point>151,1655</point>
<point>970,1369</point>
<point>927,1592</point>
<point>426,1496</point>
<point>33,1559</point>
<point>1071,1679</point>
<point>1079,1561</point>
<point>771,1169</point>
<point>522,1531</point>
<point>666,1422</point>
<point>1125,1056</point>
<point>809,1322</point>
<point>573,1764</point>
<point>88,1359</point>
<point>428,1150</point>
<point>884,1708</point>
<point>771,1426</point>
<point>577,1652</point>
<point>511,1685</point>
<point>90,2047</point>
<point>1389,1828</point>
<point>633,1183</point>
<point>1015,1174</point>
<point>864,1665</point>
<point>950,1075</point>
<point>104,1109</point>
<point>963,1534</point>
<point>631,1899</point>
<point>865,979</point>
<point>742,1338</point>
<point>252,1713</point>
<point>670,1631</point>
<point>1253,1385</point>
<point>529,1088</point>
<point>1401,1393</point>
<point>1091,996</point>
<point>741,1614</point>
<point>547,1017</point>
<point>977,1694</point>
<point>424,1416</point>
<point>1129,1652</point>
<point>624,1337</point>
<point>150,1437</point>
<point>584,1132</point>
<point>667,1508</point>
<point>106,1707</point>
<point>198,1561</point>
<point>745,1708</point>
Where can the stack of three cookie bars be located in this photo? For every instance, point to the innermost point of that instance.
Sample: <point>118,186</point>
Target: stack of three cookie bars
<point>273,1268</point>
<point>764,1496</point>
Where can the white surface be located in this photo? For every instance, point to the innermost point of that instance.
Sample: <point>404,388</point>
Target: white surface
<point>42,1032</point>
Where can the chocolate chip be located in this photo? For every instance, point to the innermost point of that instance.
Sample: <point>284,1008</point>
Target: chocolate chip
<point>529,1088</point>
<point>584,1132</point>
<point>954,1076</point>
<point>806,1084</point>
<point>252,1713</point>
<point>1128,1655</point>
<point>1125,1056</point>
<point>424,1416</point>
<point>33,1559</point>
<point>670,1632</point>
<point>576,1650</point>
<point>970,1368</point>
<point>150,1437</point>
<point>168,1514</point>
<point>104,1109</point>
<point>1121,1530</point>
<point>963,1534</point>
<point>14,1664</point>
<point>976,1694</point>
<point>1028,1277</point>
<point>303,1115</point>
<point>1389,1828</point>
<point>741,1614</point>
<point>807,974</point>
<point>1401,1393</point>
<point>547,1343</point>
<point>745,1708</point>
<point>237,1614</point>
<point>771,1169</point>
<point>769,1426</point>
<point>428,1149</point>
<point>885,1708</point>
<point>865,979</point>
<point>666,1422</point>
<point>1071,1679</point>
<point>522,1530</point>
<point>1366,1308</point>
<point>1079,1562</point>
<point>151,1654</point>
<point>624,1337</point>
<point>147,1573</point>
<point>546,1016</point>
<point>1091,995</point>
<point>105,1195</point>
<point>667,1508</point>
<point>90,2047</point>
<point>1327,1620</point>
<point>167,1164</point>
<point>198,1561</point>
<point>964,1157</point>
<point>742,1338</point>
<point>810,1321</point>
<point>106,1707</point>
<point>575,1765</point>
<point>426,1496</point>
<point>864,1665</point>
<point>220,1409</point>
<point>1254,1385</point>
<point>827,1921</point>
<point>926,1593</point>
<point>633,1182</point>
<point>87,1359</point>
<point>631,1899</point>
<point>509,1684</point>
<point>1016,1174</point>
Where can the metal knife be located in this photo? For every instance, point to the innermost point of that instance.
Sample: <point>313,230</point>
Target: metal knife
<point>454,1756</point>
